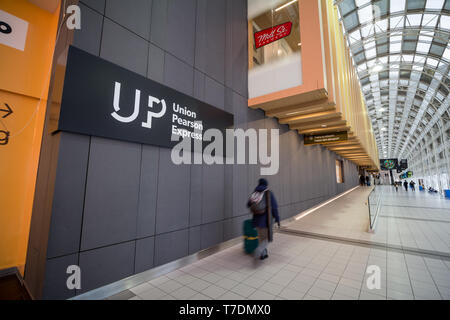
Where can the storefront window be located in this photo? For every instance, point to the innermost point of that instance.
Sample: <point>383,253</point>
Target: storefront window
<point>274,46</point>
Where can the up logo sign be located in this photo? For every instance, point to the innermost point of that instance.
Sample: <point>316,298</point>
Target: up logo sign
<point>152,101</point>
<point>13,31</point>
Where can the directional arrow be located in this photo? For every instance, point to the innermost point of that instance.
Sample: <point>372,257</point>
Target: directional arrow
<point>8,111</point>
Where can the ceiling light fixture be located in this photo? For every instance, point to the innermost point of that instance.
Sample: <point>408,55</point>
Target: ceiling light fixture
<point>377,68</point>
<point>285,5</point>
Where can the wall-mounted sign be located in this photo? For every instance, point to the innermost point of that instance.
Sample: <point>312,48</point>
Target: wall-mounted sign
<point>103,99</point>
<point>13,31</point>
<point>388,164</point>
<point>272,34</point>
<point>403,164</point>
<point>326,138</point>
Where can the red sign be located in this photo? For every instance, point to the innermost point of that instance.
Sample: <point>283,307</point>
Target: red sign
<point>272,34</point>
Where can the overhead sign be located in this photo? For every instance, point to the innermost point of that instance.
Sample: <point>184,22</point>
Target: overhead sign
<point>403,164</point>
<point>272,34</point>
<point>326,138</point>
<point>103,99</point>
<point>388,164</point>
<point>13,31</point>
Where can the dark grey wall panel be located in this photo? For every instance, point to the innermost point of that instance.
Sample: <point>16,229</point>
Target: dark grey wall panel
<point>88,38</point>
<point>212,234</point>
<point>214,93</point>
<point>106,265</point>
<point>124,48</point>
<point>233,228</point>
<point>173,27</point>
<point>112,191</point>
<point>195,240</point>
<point>178,75</point>
<point>148,191</point>
<point>55,285</point>
<point>155,64</point>
<point>173,195</point>
<point>67,210</point>
<point>195,201</point>
<point>210,38</point>
<point>132,15</point>
<point>145,249</point>
<point>236,63</point>
<point>98,5</point>
<point>213,186</point>
<point>171,246</point>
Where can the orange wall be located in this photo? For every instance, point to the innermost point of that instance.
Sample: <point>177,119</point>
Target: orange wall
<point>24,78</point>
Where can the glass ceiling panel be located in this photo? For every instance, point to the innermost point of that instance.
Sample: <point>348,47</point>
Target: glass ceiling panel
<point>401,52</point>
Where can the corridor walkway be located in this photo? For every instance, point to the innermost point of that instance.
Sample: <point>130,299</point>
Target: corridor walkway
<point>415,221</point>
<point>319,266</point>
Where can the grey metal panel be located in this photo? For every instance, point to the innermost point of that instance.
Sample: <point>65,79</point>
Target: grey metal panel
<point>195,204</point>
<point>199,85</point>
<point>55,284</point>
<point>145,249</point>
<point>89,36</point>
<point>240,190</point>
<point>210,38</point>
<point>148,191</point>
<point>98,5</point>
<point>67,210</point>
<point>155,64</point>
<point>106,265</point>
<point>173,194</point>
<point>173,27</point>
<point>133,16</point>
<point>212,234</point>
<point>111,204</point>
<point>228,192</point>
<point>180,33</point>
<point>214,93</point>
<point>178,75</point>
<point>124,48</point>
<point>158,22</point>
<point>233,228</point>
<point>213,184</point>
<point>236,58</point>
<point>194,239</point>
<point>171,246</point>
<point>240,110</point>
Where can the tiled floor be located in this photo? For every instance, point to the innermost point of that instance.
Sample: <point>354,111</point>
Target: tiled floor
<point>301,268</point>
<point>310,268</point>
<point>409,220</point>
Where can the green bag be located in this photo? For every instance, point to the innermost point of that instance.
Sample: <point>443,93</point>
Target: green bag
<point>250,237</point>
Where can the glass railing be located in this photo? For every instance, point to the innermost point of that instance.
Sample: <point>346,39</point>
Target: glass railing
<point>374,201</point>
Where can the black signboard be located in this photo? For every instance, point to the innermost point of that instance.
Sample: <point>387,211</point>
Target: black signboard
<point>326,138</point>
<point>103,99</point>
<point>388,164</point>
<point>403,164</point>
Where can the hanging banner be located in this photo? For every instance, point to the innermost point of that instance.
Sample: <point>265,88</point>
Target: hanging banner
<point>272,34</point>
